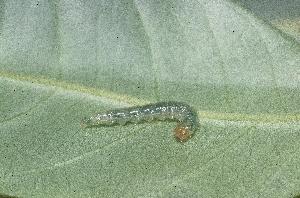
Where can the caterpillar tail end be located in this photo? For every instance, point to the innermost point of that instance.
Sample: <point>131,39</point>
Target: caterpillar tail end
<point>182,133</point>
<point>85,123</point>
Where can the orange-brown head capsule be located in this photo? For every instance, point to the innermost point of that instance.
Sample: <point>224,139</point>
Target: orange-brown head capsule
<point>182,133</point>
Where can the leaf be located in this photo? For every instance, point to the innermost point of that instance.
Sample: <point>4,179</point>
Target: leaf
<point>291,27</point>
<point>63,60</point>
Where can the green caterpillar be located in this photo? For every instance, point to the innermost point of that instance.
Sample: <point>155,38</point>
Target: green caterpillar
<point>186,117</point>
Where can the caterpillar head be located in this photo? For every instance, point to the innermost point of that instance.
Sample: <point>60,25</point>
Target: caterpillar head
<point>182,133</point>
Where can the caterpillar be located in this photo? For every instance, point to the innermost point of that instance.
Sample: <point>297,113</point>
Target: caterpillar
<point>185,115</point>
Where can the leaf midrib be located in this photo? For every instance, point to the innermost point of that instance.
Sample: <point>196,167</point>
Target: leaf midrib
<point>211,115</point>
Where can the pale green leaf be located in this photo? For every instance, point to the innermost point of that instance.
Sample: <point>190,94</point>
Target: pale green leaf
<point>61,61</point>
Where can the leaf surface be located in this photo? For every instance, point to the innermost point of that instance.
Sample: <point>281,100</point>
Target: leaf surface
<point>63,60</point>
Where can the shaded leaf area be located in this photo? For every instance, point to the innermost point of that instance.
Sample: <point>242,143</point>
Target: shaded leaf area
<point>272,9</point>
<point>283,15</point>
<point>45,153</point>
